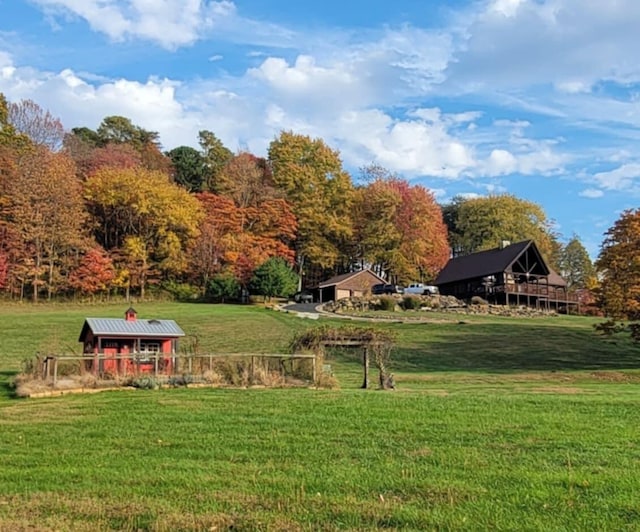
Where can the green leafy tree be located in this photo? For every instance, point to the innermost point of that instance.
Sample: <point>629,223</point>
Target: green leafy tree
<point>576,266</point>
<point>274,278</point>
<point>478,224</point>
<point>86,135</point>
<point>619,265</point>
<point>190,170</point>
<point>120,130</point>
<point>216,156</point>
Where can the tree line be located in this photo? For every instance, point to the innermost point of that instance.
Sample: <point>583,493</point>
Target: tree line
<point>106,211</point>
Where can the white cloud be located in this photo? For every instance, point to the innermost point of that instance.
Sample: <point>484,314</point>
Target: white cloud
<point>216,57</point>
<point>469,195</point>
<point>622,178</point>
<point>276,96</point>
<point>170,23</point>
<point>573,87</point>
<point>570,44</point>
<point>507,8</point>
<point>591,193</point>
<point>152,105</point>
<point>439,193</point>
<point>501,162</point>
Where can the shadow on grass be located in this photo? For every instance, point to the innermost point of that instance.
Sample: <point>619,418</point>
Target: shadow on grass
<point>496,347</point>
<point>493,347</point>
<point>6,389</point>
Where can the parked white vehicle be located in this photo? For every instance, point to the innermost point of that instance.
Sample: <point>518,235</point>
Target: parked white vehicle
<point>421,289</point>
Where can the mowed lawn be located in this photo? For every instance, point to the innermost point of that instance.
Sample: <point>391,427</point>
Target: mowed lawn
<point>497,423</point>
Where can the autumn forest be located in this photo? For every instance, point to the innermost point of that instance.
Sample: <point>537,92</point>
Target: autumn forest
<point>89,213</point>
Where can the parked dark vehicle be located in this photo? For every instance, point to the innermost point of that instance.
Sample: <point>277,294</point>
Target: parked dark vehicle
<point>303,297</point>
<point>378,289</point>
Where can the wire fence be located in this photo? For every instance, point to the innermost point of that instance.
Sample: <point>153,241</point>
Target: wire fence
<point>231,368</point>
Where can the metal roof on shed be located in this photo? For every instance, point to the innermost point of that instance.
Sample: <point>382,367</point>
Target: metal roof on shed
<point>139,328</point>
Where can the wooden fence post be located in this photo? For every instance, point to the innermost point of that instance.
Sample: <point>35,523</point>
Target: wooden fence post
<point>55,371</point>
<point>314,360</point>
<point>365,363</point>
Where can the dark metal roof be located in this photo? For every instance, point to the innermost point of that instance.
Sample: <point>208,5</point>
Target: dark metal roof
<point>482,263</point>
<point>134,329</point>
<point>346,276</point>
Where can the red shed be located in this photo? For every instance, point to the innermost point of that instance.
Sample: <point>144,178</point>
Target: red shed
<point>115,336</point>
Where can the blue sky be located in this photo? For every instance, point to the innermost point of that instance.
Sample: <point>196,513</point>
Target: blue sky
<point>538,98</point>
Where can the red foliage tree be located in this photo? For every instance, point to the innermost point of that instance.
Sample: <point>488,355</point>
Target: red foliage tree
<point>94,273</point>
<point>112,156</point>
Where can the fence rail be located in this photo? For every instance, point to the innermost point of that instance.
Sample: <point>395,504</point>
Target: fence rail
<point>559,294</point>
<point>158,364</point>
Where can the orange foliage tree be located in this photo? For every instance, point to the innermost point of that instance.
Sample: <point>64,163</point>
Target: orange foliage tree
<point>45,212</point>
<point>238,239</point>
<point>399,230</point>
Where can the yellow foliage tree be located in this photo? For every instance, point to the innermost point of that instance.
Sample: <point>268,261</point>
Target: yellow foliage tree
<point>144,216</point>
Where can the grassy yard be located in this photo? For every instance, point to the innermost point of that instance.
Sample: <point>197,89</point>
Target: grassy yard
<point>497,423</point>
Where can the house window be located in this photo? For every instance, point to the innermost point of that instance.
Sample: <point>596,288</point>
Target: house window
<point>147,348</point>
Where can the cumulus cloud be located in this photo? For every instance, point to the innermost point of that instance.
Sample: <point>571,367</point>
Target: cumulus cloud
<point>362,96</point>
<point>420,142</point>
<point>152,105</point>
<point>411,146</point>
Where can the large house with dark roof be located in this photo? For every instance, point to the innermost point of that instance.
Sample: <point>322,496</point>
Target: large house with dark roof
<point>512,274</point>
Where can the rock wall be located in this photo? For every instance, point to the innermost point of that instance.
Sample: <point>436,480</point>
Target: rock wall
<point>427,303</point>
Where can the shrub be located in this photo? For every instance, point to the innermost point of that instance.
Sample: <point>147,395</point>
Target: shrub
<point>411,302</point>
<point>180,380</point>
<point>145,383</point>
<point>477,300</point>
<point>181,291</point>
<point>223,287</point>
<point>274,277</point>
<point>432,302</point>
<point>386,303</point>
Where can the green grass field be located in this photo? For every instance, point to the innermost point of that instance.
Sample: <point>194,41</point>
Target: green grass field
<point>497,423</point>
